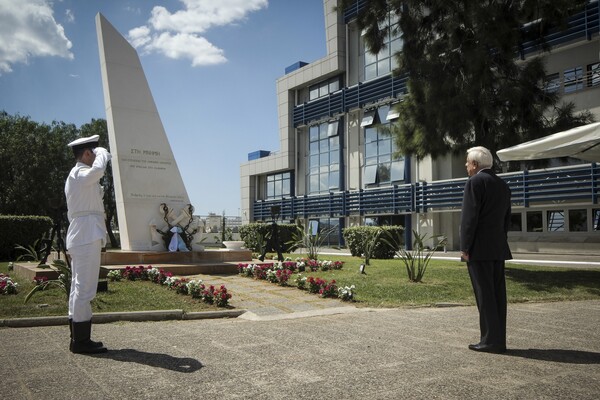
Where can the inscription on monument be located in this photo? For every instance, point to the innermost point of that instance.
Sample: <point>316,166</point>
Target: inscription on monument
<point>144,166</point>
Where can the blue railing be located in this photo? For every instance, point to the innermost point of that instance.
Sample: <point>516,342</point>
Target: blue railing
<point>439,194</point>
<point>351,97</point>
<point>353,9</point>
<point>582,24</point>
<point>539,187</point>
<point>562,184</point>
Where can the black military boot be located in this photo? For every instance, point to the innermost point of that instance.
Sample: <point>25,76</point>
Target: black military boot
<point>95,344</point>
<point>81,342</point>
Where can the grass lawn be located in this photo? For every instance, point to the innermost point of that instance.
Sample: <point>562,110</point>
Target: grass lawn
<point>121,296</point>
<point>385,284</point>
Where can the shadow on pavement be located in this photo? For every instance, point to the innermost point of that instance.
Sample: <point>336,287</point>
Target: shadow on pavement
<point>556,355</point>
<point>166,361</point>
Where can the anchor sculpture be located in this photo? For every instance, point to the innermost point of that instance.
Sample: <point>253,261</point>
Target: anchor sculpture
<point>177,237</point>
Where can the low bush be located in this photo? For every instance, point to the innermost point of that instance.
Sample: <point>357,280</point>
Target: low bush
<point>253,234</point>
<point>22,230</point>
<point>357,236</point>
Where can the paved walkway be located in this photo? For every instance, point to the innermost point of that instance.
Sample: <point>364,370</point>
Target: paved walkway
<point>263,300</point>
<point>294,345</point>
<point>554,353</point>
<point>552,260</point>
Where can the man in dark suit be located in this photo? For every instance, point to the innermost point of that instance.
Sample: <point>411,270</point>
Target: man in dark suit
<point>483,243</point>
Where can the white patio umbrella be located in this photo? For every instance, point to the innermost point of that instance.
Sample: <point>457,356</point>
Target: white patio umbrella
<point>582,142</point>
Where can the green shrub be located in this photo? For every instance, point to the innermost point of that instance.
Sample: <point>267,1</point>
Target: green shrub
<point>252,233</point>
<point>21,230</point>
<point>356,237</point>
<point>310,243</point>
<point>416,261</point>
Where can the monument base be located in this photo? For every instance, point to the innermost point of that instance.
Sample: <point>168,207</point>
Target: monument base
<point>30,270</point>
<point>217,261</point>
<point>117,257</point>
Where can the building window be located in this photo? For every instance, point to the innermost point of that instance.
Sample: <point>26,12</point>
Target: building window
<point>552,83</point>
<point>555,221</point>
<point>593,75</point>
<point>381,167</point>
<point>534,221</point>
<point>323,158</point>
<point>573,79</point>
<point>578,220</point>
<point>384,62</point>
<point>596,218</point>
<point>368,119</point>
<point>327,228</point>
<point>385,220</point>
<point>279,185</point>
<point>393,113</point>
<point>324,88</point>
<point>516,223</point>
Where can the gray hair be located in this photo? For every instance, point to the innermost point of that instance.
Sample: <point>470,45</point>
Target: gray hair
<point>481,155</point>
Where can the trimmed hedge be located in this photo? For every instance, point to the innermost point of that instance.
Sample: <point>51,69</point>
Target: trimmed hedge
<point>355,238</point>
<point>21,230</point>
<point>249,232</point>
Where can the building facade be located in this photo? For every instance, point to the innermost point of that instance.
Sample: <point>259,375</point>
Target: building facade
<point>336,166</point>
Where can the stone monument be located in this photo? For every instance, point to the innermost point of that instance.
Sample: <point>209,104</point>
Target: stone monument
<point>146,175</point>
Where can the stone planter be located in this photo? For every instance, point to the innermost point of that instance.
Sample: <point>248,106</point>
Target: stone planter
<point>233,244</point>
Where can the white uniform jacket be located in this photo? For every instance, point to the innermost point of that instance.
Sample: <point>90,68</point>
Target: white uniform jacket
<point>84,201</point>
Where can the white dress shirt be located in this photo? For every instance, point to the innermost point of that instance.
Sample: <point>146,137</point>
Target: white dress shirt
<point>84,201</point>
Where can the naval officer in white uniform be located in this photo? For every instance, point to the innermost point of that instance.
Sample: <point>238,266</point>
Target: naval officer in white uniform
<point>85,238</point>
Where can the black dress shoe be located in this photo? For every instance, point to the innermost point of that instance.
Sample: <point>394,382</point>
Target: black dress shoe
<point>488,348</point>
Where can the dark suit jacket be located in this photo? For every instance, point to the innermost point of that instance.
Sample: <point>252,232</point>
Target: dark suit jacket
<point>485,217</point>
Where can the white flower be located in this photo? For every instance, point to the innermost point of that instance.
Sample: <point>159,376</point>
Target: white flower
<point>153,272</point>
<point>170,281</point>
<point>346,293</point>
<point>193,284</point>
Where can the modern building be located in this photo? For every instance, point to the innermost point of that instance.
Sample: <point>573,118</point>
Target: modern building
<point>336,167</point>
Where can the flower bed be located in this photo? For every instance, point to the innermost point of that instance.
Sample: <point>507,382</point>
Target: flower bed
<point>195,288</point>
<point>281,273</point>
<point>7,285</point>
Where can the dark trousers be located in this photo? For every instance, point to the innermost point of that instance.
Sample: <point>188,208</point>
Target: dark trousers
<point>489,287</point>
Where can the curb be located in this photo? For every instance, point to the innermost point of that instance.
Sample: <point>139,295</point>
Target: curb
<point>130,316</point>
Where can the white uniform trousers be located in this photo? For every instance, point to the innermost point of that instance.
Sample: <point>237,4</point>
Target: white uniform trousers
<point>85,268</point>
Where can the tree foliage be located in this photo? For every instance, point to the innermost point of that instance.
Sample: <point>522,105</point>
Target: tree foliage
<point>35,162</point>
<point>466,82</point>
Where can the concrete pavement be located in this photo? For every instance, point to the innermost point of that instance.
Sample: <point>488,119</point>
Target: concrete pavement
<point>554,353</point>
<point>290,344</point>
<point>581,261</point>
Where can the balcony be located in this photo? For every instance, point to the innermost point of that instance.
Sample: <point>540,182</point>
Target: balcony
<point>352,97</point>
<point>579,183</point>
<point>584,24</point>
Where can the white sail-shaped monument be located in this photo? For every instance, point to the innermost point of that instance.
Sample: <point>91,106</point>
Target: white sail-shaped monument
<point>144,169</point>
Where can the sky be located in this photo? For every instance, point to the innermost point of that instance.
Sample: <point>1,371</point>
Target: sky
<point>211,65</point>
